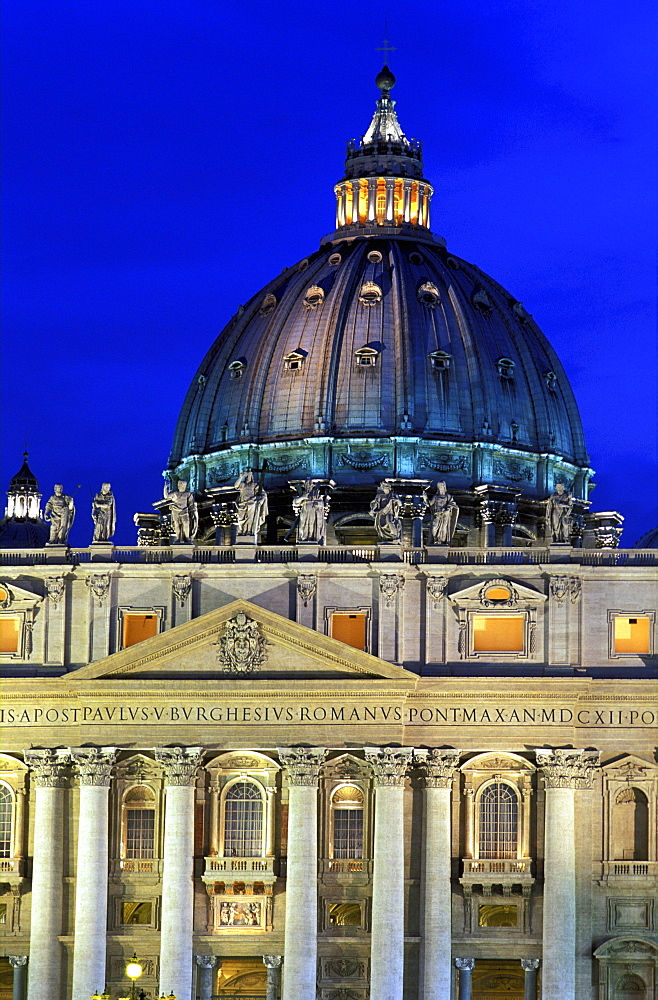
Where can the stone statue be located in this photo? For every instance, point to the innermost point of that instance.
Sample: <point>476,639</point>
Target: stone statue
<point>252,505</point>
<point>60,511</point>
<point>386,510</point>
<point>184,514</point>
<point>312,509</point>
<point>444,513</point>
<point>103,514</point>
<point>559,519</point>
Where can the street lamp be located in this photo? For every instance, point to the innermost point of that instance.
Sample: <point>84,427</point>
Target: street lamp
<point>101,996</point>
<point>133,971</point>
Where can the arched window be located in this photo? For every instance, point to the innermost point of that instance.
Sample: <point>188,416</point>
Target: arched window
<point>139,822</point>
<point>499,821</point>
<point>630,825</point>
<point>347,820</point>
<point>6,815</point>
<point>243,821</point>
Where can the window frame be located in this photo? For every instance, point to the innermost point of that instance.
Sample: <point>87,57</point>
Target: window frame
<point>501,613</point>
<point>12,820</point>
<point>496,780</point>
<point>330,611</point>
<point>125,806</point>
<point>25,623</point>
<point>331,845</point>
<point>615,613</point>
<point>154,925</point>
<point>233,780</point>
<point>125,610</point>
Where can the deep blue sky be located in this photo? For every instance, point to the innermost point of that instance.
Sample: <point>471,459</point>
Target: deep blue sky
<point>163,160</point>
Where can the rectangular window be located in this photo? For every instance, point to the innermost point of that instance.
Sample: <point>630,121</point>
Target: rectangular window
<point>137,627</point>
<point>498,633</point>
<point>345,915</point>
<point>348,833</point>
<point>9,634</point>
<point>3,913</point>
<point>349,628</point>
<point>632,634</point>
<point>140,833</point>
<point>135,912</point>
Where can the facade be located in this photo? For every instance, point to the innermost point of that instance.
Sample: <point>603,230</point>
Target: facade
<point>332,728</point>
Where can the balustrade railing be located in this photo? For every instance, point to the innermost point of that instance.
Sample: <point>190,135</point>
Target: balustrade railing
<point>499,866</point>
<point>136,866</point>
<point>252,867</point>
<point>633,871</point>
<point>12,866</point>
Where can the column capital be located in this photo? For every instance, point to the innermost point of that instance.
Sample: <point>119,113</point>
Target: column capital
<point>16,961</point>
<point>302,764</point>
<point>389,764</point>
<point>529,964</point>
<point>439,767</point>
<point>567,768</point>
<point>94,764</point>
<point>465,964</point>
<point>180,764</point>
<point>208,961</point>
<point>47,767</point>
<point>273,961</point>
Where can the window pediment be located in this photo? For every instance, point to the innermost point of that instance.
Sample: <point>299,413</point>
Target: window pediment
<point>497,593</point>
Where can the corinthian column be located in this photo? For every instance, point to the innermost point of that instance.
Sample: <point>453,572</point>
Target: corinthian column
<point>564,771</point>
<point>436,942</point>
<point>180,766</point>
<point>302,767</point>
<point>89,953</point>
<point>387,936</point>
<point>44,970</point>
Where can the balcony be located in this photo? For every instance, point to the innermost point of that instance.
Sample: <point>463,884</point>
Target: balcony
<point>12,869</point>
<point>346,871</point>
<point>239,869</point>
<point>506,873</point>
<point>137,867</point>
<point>632,873</point>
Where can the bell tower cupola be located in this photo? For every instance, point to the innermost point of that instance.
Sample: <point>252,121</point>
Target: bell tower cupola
<point>383,184</point>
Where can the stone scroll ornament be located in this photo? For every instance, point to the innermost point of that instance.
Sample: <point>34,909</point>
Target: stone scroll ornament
<point>242,648</point>
<point>307,585</point>
<point>99,585</point>
<point>54,589</point>
<point>567,768</point>
<point>181,587</point>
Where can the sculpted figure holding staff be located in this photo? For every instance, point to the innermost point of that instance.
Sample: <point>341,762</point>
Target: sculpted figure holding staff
<point>103,514</point>
<point>184,514</point>
<point>60,511</point>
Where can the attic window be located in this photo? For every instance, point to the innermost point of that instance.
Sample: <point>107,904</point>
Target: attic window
<point>335,260</point>
<point>505,367</point>
<point>429,295</point>
<point>10,635</point>
<point>366,356</point>
<point>440,360</point>
<point>375,257</point>
<point>551,380</point>
<point>293,361</point>
<point>314,297</point>
<point>268,305</point>
<point>370,294</point>
<point>236,369</point>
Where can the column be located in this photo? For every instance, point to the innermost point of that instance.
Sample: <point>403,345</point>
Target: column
<point>372,199</point>
<point>389,767</point>
<point>206,964</point>
<point>436,928</point>
<point>273,963</point>
<point>530,966</point>
<point>564,771</point>
<point>355,201</point>
<point>19,965</point>
<point>180,766</point>
<point>390,191</point>
<point>89,952</point>
<point>465,966</point>
<point>44,970</point>
<point>302,767</point>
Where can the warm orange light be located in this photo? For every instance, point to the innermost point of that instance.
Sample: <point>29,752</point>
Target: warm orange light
<point>498,594</point>
<point>498,633</point>
<point>632,634</point>
<point>9,634</point>
<point>350,629</point>
<point>138,627</point>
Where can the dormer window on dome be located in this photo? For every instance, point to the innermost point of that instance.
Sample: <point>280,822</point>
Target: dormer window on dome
<point>294,361</point>
<point>314,297</point>
<point>268,305</point>
<point>506,367</point>
<point>370,294</point>
<point>236,369</point>
<point>440,360</point>
<point>481,301</point>
<point>429,295</point>
<point>366,356</point>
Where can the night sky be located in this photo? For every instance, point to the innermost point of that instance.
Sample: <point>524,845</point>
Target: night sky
<point>164,160</point>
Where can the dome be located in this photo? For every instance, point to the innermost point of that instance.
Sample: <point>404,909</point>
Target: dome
<point>23,525</point>
<point>383,354</point>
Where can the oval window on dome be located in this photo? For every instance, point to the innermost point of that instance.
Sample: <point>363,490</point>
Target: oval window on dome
<point>314,297</point>
<point>415,258</point>
<point>268,305</point>
<point>452,263</point>
<point>429,295</point>
<point>498,593</point>
<point>375,257</point>
<point>370,294</point>
<point>335,260</point>
<point>303,264</point>
<point>551,380</point>
<point>481,301</point>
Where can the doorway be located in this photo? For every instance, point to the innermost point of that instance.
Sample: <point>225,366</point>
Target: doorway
<point>494,979</point>
<point>241,979</point>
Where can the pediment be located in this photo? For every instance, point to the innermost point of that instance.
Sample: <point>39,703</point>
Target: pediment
<point>629,768</point>
<point>490,593</point>
<point>15,598</point>
<point>242,642</point>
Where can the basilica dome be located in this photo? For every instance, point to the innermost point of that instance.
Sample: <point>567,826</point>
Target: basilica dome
<point>383,354</point>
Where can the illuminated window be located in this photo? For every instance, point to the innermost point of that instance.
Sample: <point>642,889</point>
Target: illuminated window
<point>498,633</point>
<point>632,634</point>
<point>314,297</point>
<point>137,627</point>
<point>243,821</point>
<point>370,294</point>
<point>347,821</point>
<point>345,914</point>
<point>349,628</point>
<point>498,826</point>
<point>134,912</point>
<point>497,593</point>
<point>6,815</point>
<point>293,361</point>
<point>366,356</point>
<point>497,915</point>
<point>10,634</point>
<point>139,822</point>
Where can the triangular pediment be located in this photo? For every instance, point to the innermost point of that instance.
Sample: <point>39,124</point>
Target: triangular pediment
<point>242,642</point>
<point>14,598</point>
<point>497,592</point>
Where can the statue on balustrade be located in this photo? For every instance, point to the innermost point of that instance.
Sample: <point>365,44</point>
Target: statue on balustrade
<point>252,506</point>
<point>103,514</point>
<point>184,514</point>
<point>60,511</point>
<point>385,509</point>
<point>559,519</point>
<point>443,516</point>
<point>311,509</point>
